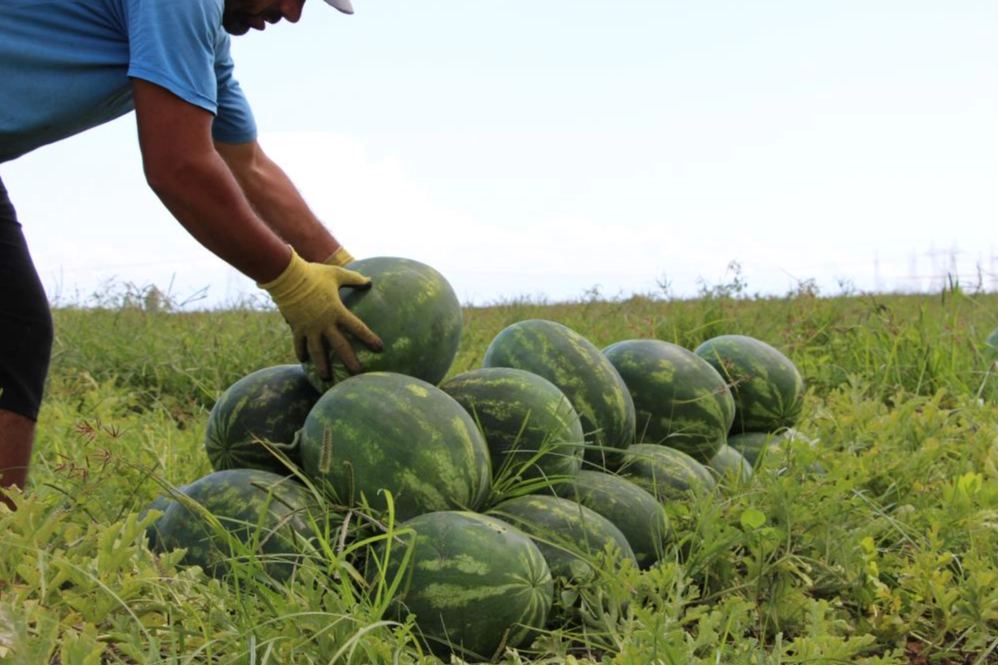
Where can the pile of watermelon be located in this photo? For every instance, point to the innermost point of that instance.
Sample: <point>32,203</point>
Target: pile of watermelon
<point>548,464</point>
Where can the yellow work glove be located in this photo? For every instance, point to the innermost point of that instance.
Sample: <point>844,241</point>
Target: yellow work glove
<point>339,258</point>
<point>308,296</point>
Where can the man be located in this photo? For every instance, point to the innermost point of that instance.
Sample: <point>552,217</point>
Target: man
<point>69,65</point>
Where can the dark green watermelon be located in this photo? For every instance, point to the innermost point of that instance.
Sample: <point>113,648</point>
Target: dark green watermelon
<point>414,310</point>
<point>760,447</point>
<point>386,431</point>
<point>632,509</point>
<point>569,535</point>
<point>531,429</point>
<point>160,504</point>
<point>237,514</point>
<point>753,445</point>
<point>475,584</point>
<point>666,473</point>
<point>680,400</point>
<point>257,415</point>
<point>767,387</point>
<point>581,372</point>
<point>729,463</point>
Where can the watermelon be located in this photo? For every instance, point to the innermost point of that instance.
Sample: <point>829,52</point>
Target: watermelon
<point>767,388</point>
<point>160,504</point>
<point>414,310</point>
<point>529,426</point>
<point>474,583</point>
<point>581,372</point>
<point>680,400</point>
<point>755,447</point>
<point>257,415</point>
<point>569,535</point>
<point>235,514</point>
<point>728,462</point>
<point>386,431</point>
<point>633,510</point>
<point>667,473</point>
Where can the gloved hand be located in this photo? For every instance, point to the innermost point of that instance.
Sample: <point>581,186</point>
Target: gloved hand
<point>308,296</point>
<point>339,258</point>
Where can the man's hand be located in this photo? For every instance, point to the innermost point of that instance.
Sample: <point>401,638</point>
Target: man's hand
<point>308,296</point>
<point>339,258</point>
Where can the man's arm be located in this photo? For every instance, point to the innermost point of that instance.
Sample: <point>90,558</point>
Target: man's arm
<point>195,184</point>
<point>276,199</point>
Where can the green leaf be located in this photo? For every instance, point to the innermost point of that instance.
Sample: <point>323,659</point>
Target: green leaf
<point>752,519</point>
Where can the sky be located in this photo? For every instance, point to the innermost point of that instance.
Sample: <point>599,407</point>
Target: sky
<point>559,150</point>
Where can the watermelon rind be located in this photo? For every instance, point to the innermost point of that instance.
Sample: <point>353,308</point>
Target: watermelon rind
<point>531,429</point>
<point>993,341</point>
<point>413,309</point>
<point>669,474</point>
<point>571,536</point>
<point>769,448</point>
<point>632,509</point>
<point>767,387</point>
<point>245,516</point>
<point>754,445</point>
<point>253,423</point>
<point>159,505</point>
<point>729,464</point>
<point>680,399</point>
<point>575,365</point>
<point>383,431</point>
<point>474,583</point>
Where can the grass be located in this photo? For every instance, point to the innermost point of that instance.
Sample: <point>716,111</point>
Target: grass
<point>889,556</point>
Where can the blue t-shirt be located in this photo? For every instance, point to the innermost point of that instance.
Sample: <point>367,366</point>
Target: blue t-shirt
<point>65,66</point>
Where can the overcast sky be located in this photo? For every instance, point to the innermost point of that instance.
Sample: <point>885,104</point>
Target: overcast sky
<point>546,149</point>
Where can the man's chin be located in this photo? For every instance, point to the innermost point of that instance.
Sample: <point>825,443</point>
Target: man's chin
<point>234,26</point>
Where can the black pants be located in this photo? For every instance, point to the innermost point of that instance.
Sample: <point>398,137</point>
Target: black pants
<point>25,320</point>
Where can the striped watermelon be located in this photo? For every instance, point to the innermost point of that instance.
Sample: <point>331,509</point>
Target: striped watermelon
<point>767,388</point>
<point>680,400</point>
<point>531,429</point>
<point>260,412</point>
<point>754,445</point>
<point>161,504</point>
<point>667,473</point>
<point>475,584</point>
<point>414,310</point>
<point>386,431</point>
<point>569,535</point>
<point>759,447</point>
<point>237,514</point>
<point>633,510</point>
<point>581,372</point>
<point>728,462</point>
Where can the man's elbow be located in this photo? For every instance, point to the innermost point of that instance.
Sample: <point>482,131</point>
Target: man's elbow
<point>171,177</point>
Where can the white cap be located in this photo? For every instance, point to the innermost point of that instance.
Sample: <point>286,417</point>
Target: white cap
<point>343,5</point>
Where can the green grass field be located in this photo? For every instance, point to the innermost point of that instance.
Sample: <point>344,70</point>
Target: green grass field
<point>890,556</point>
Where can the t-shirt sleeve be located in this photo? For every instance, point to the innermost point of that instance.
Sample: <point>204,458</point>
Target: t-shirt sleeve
<point>172,44</point>
<point>234,122</point>
<point>182,47</point>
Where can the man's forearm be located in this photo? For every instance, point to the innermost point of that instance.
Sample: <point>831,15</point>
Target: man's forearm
<point>195,184</point>
<point>208,202</point>
<point>277,201</point>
